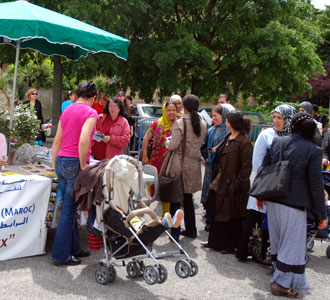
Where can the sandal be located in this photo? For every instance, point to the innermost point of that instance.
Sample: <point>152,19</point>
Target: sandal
<point>278,290</point>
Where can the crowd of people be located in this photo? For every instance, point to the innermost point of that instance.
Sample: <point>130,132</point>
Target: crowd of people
<point>91,124</point>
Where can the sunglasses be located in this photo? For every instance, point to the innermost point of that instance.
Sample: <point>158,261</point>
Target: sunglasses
<point>34,94</point>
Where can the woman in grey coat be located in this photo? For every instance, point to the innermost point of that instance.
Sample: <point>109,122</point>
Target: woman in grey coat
<point>191,167</point>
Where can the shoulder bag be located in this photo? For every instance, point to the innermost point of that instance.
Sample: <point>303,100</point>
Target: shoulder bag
<point>171,189</point>
<point>272,181</point>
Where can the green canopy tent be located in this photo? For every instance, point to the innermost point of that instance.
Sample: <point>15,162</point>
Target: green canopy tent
<point>28,26</point>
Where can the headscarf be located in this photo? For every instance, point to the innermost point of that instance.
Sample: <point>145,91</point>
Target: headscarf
<point>307,106</point>
<point>217,133</point>
<point>164,120</point>
<point>286,111</point>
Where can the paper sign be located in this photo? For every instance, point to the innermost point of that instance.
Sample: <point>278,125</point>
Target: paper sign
<point>23,208</point>
<point>206,117</point>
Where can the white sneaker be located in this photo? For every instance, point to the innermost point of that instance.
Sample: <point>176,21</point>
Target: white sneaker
<point>179,214</point>
<point>167,220</point>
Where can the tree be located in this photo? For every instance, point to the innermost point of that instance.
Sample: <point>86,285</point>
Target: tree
<point>261,48</point>
<point>324,25</point>
<point>320,92</point>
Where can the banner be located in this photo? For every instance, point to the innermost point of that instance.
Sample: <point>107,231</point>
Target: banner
<point>23,208</point>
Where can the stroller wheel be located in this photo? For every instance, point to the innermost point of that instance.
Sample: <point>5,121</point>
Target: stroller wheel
<point>182,269</point>
<point>142,267</point>
<point>162,274</point>
<point>112,273</point>
<point>328,252</point>
<point>102,275</point>
<point>306,258</point>
<point>151,275</point>
<point>133,269</point>
<point>194,268</point>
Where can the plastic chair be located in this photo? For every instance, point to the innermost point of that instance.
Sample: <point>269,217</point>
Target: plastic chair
<point>150,177</point>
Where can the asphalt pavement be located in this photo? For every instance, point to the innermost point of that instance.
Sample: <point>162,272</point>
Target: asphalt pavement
<point>220,276</point>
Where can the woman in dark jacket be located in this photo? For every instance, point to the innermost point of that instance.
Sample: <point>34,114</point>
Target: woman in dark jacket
<point>35,105</point>
<point>287,215</point>
<point>230,174</point>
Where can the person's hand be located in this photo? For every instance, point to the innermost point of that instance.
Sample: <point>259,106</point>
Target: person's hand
<point>323,224</point>
<point>3,163</point>
<point>84,166</point>
<point>214,149</point>
<point>325,162</point>
<point>145,160</point>
<point>260,204</point>
<point>106,139</point>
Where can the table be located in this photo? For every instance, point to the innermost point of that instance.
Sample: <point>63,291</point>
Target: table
<point>24,201</point>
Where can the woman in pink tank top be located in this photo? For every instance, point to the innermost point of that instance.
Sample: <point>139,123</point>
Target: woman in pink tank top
<point>71,151</point>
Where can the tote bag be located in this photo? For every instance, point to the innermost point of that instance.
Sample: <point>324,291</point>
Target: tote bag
<point>273,180</point>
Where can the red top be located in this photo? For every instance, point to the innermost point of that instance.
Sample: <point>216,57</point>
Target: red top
<point>98,107</point>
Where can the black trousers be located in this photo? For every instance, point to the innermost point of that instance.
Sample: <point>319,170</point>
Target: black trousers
<point>189,215</point>
<point>175,232</point>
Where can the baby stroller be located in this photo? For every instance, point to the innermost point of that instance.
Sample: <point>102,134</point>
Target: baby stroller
<point>124,182</point>
<point>312,222</point>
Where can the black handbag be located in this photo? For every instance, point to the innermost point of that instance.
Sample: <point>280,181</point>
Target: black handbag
<point>171,189</point>
<point>272,181</point>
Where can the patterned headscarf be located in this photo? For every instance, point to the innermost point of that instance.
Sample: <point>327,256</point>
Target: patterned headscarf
<point>164,120</point>
<point>286,111</point>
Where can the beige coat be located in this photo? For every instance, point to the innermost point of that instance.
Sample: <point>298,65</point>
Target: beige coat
<point>191,174</point>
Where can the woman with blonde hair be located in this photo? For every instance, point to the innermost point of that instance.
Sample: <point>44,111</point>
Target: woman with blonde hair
<point>35,106</point>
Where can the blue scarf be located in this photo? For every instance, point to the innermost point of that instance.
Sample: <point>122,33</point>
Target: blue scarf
<point>215,135</point>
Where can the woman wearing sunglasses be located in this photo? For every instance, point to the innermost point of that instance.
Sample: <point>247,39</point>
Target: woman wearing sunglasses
<point>35,106</point>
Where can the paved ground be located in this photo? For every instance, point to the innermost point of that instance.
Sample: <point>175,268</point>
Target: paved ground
<point>220,276</point>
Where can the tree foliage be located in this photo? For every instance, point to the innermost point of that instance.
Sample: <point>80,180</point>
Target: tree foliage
<point>261,48</point>
<point>324,25</point>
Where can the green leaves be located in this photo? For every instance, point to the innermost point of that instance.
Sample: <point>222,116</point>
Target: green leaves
<point>265,48</point>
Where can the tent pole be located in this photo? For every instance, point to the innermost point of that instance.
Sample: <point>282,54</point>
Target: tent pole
<point>18,46</point>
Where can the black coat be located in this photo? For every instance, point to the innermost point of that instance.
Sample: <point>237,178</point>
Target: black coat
<point>37,109</point>
<point>306,183</point>
<point>234,181</point>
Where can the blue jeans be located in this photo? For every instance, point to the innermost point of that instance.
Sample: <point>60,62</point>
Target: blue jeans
<point>67,240</point>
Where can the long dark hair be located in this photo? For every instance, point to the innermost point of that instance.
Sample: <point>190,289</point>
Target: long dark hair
<point>127,108</point>
<point>191,103</point>
<point>239,122</point>
<point>120,105</point>
<point>86,90</point>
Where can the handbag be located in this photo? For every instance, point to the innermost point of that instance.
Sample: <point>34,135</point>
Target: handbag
<point>273,180</point>
<point>171,189</point>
